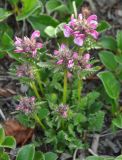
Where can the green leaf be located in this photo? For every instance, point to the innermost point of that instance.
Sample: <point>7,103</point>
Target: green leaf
<point>41,22</point>
<point>2,135</point>
<point>29,7</point>
<point>118,58</point>
<point>42,113</point>
<point>108,42</point>
<point>89,99</point>
<point>94,158</point>
<point>13,2</point>
<point>50,31</point>
<point>118,121</point>
<point>96,121</point>
<point>79,118</point>
<point>119,40</point>
<point>110,83</point>
<point>99,158</point>
<point>38,156</point>
<point>108,59</point>
<point>27,152</point>
<point>50,156</point>
<point>119,158</point>
<point>4,156</point>
<point>51,5</point>
<point>6,43</point>
<point>4,14</point>
<point>6,28</point>
<point>9,142</point>
<point>103,26</point>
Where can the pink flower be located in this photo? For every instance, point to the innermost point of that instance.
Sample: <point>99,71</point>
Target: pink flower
<point>26,104</point>
<point>65,57</point>
<point>28,45</point>
<point>86,57</point>
<point>85,61</point>
<point>35,34</point>
<point>60,61</point>
<point>92,21</point>
<point>75,55</point>
<point>25,70</point>
<point>88,66</point>
<point>63,110</point>
<point>67,31</point>
<point>79,39</point>
<point>69,75</point>
<point>93,33</point>
<point>70,63</point>
<point>79,28</point>
<point>56,52</point>
<point>63,47</point>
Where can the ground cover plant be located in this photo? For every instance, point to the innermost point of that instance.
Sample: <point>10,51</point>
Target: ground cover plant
<point>63,49</point>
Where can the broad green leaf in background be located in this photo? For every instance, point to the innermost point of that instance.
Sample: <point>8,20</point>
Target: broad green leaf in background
<point>39,156</point>
<point>6,43</point>
<point>2,135</point>
<point>29,7</point>
<point>118,58</point>
<point>27,152</point>
<point>110,83</point>
<point>4,14</point>
<point>41,22</point>
<point>50,156</point>
<point>9,142</point>
<point>6,28</point>
<point>108,42</point>
<point>52,4</point>
<point>118,121</point>
<point>108,59</point>
<point>119,41</point>
<point>103,26</point>
<point>56,5</point>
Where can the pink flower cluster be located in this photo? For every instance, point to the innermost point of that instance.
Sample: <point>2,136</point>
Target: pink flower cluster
<point>65,56</point>
<point>26,104</point>
<point>80,28</point>
<point>63,110</point>
<point>25,70</point>
<point>28,45</point>
<point>85,61</point>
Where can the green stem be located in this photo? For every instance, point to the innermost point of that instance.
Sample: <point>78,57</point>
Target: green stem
<point>33,86</point>
<point>79,88</point>
<point>65,87</point>
<point>38,78</point>
<point>39,121</point>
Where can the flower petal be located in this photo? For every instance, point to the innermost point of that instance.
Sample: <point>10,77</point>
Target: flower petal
<point>35,34</point>
<point>34,53</point>
<point>78,40</point>
<point>39,45</point>
<point>67,31</point>
<point>94,34</point>
<point>92,17</point>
